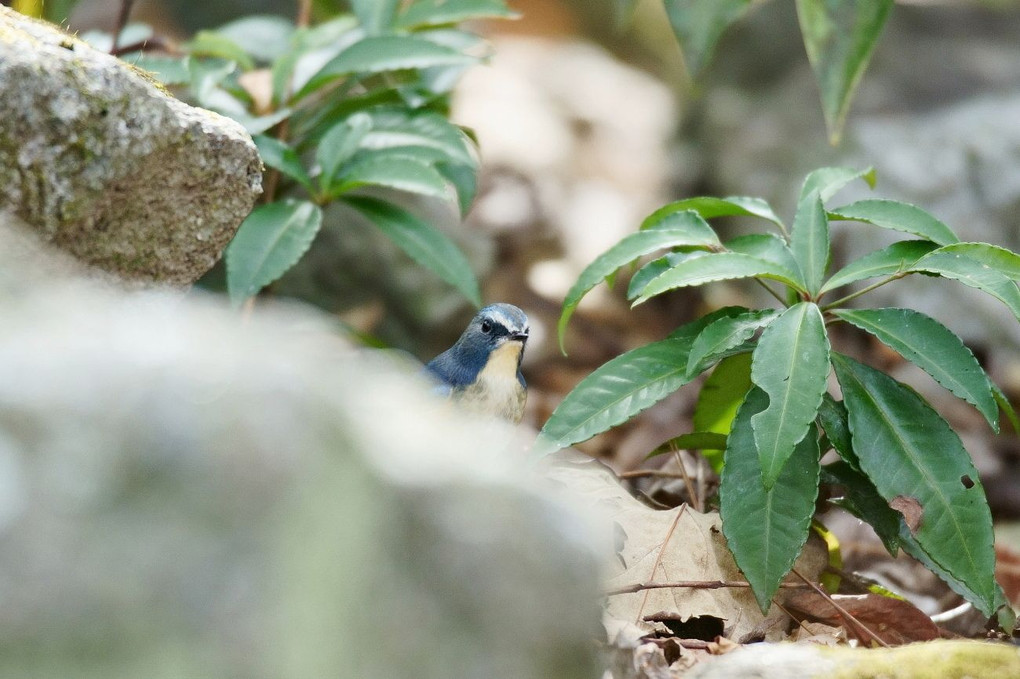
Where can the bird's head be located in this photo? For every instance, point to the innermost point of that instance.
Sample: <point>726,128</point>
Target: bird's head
<point>497,330</point>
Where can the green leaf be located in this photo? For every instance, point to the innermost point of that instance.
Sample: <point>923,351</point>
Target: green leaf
<point>910,453</point>
<point>895,259</point>
<point>279,156</point>
<point>932,347</point>
<point>829,180</point>
<point>425,13</point>
<point>269,242</point>
<point>464,179</point>
<point>840,36</point>
<point>972,273</point>
<point>699,269</point>
<point>375,16</point>
<point>213,44</point>
<point>623,387</point>
<point>708,207</point>
<point>397,127</point>
<point>863,501</point>
<point>265,37</point>
<point>698,440</point>
<point>677,229</point>
<point>1006,407</point>
<point>769,247</point>
<point>726,337</point>
<point>422,242</point>
<point>833,418</point>
<point>810,241</point>
<point>897,216</point>
<point>338,145</point>
<point>791,365</point>
<point>766,529</point>
<point>1002,260</point>
<point>720,396</point>
<point>654,269</point>
<point>385,53</point>
<point>698,24</point>
<point>400,173</point>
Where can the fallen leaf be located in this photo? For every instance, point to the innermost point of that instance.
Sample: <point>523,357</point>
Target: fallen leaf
<point>911,510</point>
<point>893,621</point>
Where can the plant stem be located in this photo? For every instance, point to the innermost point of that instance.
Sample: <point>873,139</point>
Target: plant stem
<point>122,19</point>
<point>863,291</point>
<point>771,291</point>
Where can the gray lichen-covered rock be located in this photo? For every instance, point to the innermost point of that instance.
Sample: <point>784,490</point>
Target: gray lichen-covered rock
<point>186,495</point>
<point>108,166</point>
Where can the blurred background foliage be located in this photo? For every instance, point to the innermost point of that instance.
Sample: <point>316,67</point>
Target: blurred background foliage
<point>587,119</point>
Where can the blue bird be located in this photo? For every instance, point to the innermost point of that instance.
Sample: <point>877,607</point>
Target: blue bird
<point>482,370</point>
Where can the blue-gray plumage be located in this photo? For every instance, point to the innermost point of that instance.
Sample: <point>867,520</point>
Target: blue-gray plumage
<point>482,370</point>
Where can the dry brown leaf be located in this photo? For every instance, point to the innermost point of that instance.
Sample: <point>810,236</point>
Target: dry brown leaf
<point>893,621</point>
<point>695,551</point>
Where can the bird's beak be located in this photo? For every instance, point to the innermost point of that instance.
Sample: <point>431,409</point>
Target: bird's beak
<point>521,337</point>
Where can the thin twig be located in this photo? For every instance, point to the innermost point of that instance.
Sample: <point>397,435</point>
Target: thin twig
<point>122,19</point>
<point>693,584</point>
<point>771,291</point>
<point>863,291</point>
<point>695,500</point>
<point>843,613</point>
<point>658,558</point>
<point>155,43</point>
<point>657,473</point>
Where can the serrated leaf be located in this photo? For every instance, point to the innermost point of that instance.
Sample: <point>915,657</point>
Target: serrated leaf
<point>933,348</point>
<point>269,242</point>
<point>840,36</point>
<point>769,247</point>
<point>1002,260</point>
<point>971,273</point>
<point>382,53</point>
<point>698,24</point>
<point>423,243</point>
<point>441,12</point>
<point>897,216</point>
<point>909,451</point>
<point>338,145</point>
<point>395,172</point>
<point>280,156</point>
<point>720,396</point>
<point>809,241</point>
<point>709,207</point>
<point>654,269</point>
<point>827,181</point>
<point>678,229</point>
<point>375,16</point>
<point>895,259</point>
<point>766,529</point>
<point>623,387</point>
<point>791,365</point>
<point>700,268</point>
<point>726,337</point>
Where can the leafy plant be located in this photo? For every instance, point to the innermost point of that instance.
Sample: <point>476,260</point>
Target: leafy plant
<point>903,469</point>
<point>351,110</point>
<point>839,36</point>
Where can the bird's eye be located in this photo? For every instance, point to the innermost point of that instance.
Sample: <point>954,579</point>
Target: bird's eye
<point>486,327</point>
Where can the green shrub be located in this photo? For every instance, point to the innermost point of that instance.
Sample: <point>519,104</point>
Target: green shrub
<point>356,108</point>
<point>903,469</point>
